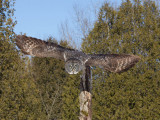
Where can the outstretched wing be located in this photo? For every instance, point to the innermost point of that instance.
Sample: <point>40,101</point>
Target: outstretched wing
<point>113,62</point>
<point>39,48</point>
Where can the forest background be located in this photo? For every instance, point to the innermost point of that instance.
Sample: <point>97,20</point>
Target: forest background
<point>40,89</point>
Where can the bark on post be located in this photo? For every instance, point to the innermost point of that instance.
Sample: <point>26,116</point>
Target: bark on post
<point>85,96</point>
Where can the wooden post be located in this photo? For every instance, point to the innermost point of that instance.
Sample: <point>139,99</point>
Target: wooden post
<point>85,96</point>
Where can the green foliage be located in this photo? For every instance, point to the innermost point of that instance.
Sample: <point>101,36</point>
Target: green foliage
<point>70,95</point>
<point>18,99</point>
<point>70,98</point>
<point>58,90</point>
<point>40,89</point>
<point>134,28</point>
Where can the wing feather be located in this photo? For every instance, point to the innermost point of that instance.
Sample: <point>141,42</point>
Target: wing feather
<point>113,62</point>
<point>39,48</point>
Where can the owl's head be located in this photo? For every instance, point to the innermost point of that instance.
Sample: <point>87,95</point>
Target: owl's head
<point>73,66</point>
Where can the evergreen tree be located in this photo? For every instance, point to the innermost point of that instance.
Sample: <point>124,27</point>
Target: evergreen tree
<point>70,93</point>
<point>58,90</point>
<point>133,29</point>
<point>70,98</point>
<point>17,101</point>
<point>39,88</point>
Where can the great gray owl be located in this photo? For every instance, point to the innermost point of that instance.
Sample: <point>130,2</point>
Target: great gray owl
<point>75,60</point>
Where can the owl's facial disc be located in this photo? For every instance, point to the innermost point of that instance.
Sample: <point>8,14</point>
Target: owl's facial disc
<point>73,66</point>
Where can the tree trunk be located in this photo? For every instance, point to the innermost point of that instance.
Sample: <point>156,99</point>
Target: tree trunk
<point>85,96</point>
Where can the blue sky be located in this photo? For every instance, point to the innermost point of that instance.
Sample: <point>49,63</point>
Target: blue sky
<point>42,18</point>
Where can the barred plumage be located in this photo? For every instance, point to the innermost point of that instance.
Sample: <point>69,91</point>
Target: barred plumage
<point>110,62</point>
